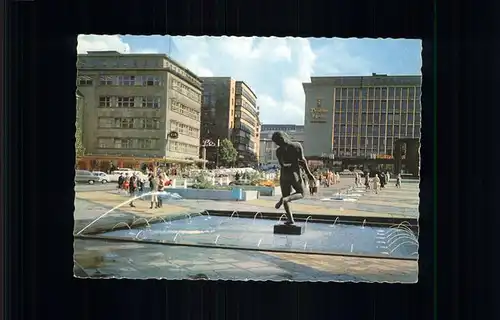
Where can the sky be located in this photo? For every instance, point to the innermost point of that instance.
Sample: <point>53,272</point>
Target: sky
<point>274,68</point>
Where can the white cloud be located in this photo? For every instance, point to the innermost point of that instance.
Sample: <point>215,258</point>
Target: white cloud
<point>274,68</point>
<point>101,43</point>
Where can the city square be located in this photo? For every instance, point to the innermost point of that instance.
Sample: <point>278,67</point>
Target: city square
<point>187,168</point>
<point>97,258</point>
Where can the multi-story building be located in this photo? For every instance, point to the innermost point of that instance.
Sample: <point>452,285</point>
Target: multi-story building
<point>133,102</point>
<point>267,151</point>
<point>229,111</point>
<point>360,117</point>
<point>246,132</point>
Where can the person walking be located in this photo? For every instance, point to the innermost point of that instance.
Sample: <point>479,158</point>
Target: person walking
<point>376,183</point>
<point>121,179</point>
<point>367,181</point>
<point>382,180</point>
<point>161,186</point>
<point>132,187</point>
<point>398,181</point>
<point>153,186</point>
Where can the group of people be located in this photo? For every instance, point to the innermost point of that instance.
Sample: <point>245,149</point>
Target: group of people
<point>133,185</point>
<point>379,181</point>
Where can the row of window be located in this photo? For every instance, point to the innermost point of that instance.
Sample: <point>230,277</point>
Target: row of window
<point>246,117</point>
<point>378,119</point>
<point>127,143</point>
<point>375,130</point>
<point>181,147</point>
<point>184,129</point>
<point>129,123</point>
<point>379,92</point>
<point>377,105</point>
<point>185,90</point>
<point>247,106</point>
<point>150,102</point>
<point>184,110</point>
<point>122,80</point>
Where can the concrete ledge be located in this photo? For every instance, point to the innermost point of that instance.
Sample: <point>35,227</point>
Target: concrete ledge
<point>235,194</point>
<point>263,191</point>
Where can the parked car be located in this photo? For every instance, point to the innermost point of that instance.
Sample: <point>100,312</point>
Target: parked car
<point>103,176</point>
<point>86,176</point>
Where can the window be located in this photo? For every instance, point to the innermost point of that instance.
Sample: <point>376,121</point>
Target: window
<point>105,143</point>
<point>123,143</point>
<point>149,123</point>
<point>105,102</point>
<point>151,102</point>
<point>146,144</point>
<point>85,81</point>
<point>106,122</point>
<point>127,123</point>
<point>383,93</point>
<point>126,102</point>
<point>150,81</point>
<point>106,80</point>
<point>126,80</point>
<point>392,92</point>
<point>411,93</point>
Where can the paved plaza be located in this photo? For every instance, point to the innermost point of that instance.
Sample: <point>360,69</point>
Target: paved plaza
<point>100,258</point>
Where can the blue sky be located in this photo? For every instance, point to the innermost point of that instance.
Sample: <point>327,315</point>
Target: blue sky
<point>274,68</point>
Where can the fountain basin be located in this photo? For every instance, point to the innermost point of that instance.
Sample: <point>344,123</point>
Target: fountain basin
<point>257,234</point>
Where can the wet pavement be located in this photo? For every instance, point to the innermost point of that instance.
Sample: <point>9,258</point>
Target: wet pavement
<point>106,259</point>
<point>99,258</point>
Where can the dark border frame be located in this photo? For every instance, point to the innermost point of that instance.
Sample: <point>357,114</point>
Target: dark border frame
<point>40,86</point>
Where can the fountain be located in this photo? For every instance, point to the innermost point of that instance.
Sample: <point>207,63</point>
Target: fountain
<point>232,214</point>
<point>141,219</point>
<point>402,243</point>
<point>116,208</point>
<point>217,239</point>
<point>250,234</point>
<point>258,244</point>
<point>281,217</point>
<point>335,222</point>
<point>305,225</point>
<point>176,235</point>
<point>138,234</point>
<point>255,216</point>
<point>121,223</point>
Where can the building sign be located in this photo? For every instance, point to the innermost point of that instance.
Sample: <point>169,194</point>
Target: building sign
<point>384,156</point>
<point>318,115</point>
<point>328,155</point>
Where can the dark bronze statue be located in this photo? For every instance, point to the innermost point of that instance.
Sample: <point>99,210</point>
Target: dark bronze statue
<point>291,159</point>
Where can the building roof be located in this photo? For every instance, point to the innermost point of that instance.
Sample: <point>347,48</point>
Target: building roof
<point>248,87</point>
<point>371,80</point>
<point>158,55</point>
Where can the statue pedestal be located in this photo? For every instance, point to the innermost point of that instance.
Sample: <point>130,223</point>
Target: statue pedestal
<point>288,229</point>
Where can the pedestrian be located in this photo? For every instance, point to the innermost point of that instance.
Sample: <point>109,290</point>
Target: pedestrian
<point>367,180</point>
<point>121,179</point>
<point>132,187</point>
<point>398,181</point>
<point>161,186</point>
<point>376,183</point>
<point>382,180</point>
<point>153,185</point>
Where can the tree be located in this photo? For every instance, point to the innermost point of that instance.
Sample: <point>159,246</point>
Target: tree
<point>227,153</point>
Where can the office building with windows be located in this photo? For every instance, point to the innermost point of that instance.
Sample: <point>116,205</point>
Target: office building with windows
<point>360,117</point>
<point>267,151</point>
<point>133,101</point>
<point>229,110</point>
